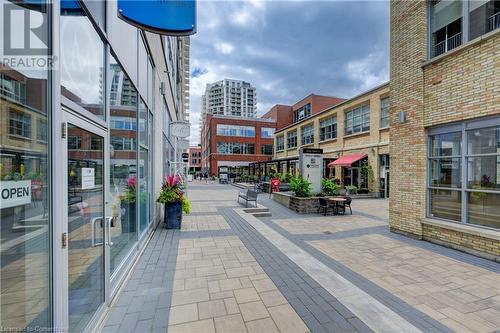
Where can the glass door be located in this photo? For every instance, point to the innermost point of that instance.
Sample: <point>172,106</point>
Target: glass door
<point>87,225</point>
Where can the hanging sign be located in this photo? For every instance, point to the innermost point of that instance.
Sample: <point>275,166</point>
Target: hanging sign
<point>166,17</point>
<point>180,129</point>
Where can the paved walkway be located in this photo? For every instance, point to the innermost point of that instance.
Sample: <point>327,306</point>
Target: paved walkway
<point>227,271</point>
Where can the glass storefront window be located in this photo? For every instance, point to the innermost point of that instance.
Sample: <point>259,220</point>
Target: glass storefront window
<point>82,61</point>
<point>446,204</point>
<point>446,172</point>
<point>449,144</point>
<point>24,187</point>
<point>123,166</point>
<point>481,187</point>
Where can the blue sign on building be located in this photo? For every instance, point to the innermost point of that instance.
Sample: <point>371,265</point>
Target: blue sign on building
<point>166,17</point>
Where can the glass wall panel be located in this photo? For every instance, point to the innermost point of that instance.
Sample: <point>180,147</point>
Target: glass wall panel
<point>483,172</point>
<point>24,185</point>
<point>484,141</point>
<point>449,144</point>
<point>123,166</point>
<point>484,209</point>
<point>82,61</point>
<point>446,172</point>
<point>446,204</point>
<point>143,188</point>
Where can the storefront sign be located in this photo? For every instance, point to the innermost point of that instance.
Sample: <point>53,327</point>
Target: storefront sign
<point>311,167</point>
<point>166,17</point>
<point>15,193</point>
<point>88,178</point>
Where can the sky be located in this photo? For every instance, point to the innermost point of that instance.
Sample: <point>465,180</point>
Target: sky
<point>289,49</point>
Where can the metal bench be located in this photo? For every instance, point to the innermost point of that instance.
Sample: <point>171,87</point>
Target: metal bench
<point>249,196</point>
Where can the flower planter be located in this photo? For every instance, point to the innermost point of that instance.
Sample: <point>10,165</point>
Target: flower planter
<point>128,216</point>
<point>173,215</point>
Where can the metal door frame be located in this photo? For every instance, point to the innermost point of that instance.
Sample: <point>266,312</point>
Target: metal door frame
<point>61,264</point>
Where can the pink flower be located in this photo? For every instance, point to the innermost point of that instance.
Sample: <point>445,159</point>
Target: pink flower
<point>172,181</point>
<point>131,181</point>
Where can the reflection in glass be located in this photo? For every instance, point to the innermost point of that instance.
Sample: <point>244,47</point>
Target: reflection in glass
<point>484,209</point>
<point>144,188</point>
<point>85,228</point>
<point>446,172</point>
<point>82,61</point>
<point>24,185</point>
<point>484,141</point>
<point>484,172</point>
<point>123,167</point>
<point>446,204</point>
<point>448,144</point>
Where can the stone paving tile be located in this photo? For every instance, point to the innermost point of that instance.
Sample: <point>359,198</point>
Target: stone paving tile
<point>327,224</point>
<point>455,293</point>
<point>224,292</point>
<point>203,222</point>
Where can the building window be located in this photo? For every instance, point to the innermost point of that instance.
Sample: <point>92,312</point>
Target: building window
<point>41,130</point>
<point>235,148</point>
<point>446,21</point>
<point>235,130</point>
<point>448,24</point>
<point>484,16</point>
<point>20,124</point>
<point>74,142</point>
<point>328,129</point>
<point>307,134</point>
<point>13,89</point>
<point>95,143</point>
<point>123,144</point>
<point>280,142</point>
<point>266,149</point>
<point>266,132</point>
<point>384,112</point>
<point>291,139</point>
<point>357,120</point>
<point>302,113</point>
<point>473,152</point>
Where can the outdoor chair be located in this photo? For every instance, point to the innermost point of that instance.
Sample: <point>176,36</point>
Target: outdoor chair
<point>347,203</point>
<point>324,205</point>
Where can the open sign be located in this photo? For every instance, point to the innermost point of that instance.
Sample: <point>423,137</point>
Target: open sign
<point>14,193</point>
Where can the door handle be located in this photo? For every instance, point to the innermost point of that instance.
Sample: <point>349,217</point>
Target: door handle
<point>93,230</point>
<point>109,220</point>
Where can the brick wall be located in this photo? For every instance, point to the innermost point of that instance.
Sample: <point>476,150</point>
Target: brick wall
<point>465,84</point>
<point>408,35</point>
<point>461,84</point>
<point>372,143</point>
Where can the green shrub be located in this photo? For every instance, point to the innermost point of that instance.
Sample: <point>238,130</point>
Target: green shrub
<point>351,189</point>
<point>329,187</point>
<point>300,186</point>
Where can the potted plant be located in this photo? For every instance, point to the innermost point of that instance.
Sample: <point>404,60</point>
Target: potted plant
<point>128,206</point>
<point>172,196</point>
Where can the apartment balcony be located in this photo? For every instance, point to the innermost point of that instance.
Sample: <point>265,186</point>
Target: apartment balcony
<point>494,22</point>
<point>448,44</point>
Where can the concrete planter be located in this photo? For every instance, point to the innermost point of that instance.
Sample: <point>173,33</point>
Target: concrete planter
<point>300,205</point>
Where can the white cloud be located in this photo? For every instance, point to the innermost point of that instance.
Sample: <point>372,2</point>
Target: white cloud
<point>369,71</point>
<point>224,48</point>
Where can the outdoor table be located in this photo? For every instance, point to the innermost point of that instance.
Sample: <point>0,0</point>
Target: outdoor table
<point>336,201</point>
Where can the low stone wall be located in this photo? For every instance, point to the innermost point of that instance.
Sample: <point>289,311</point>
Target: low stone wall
<point>299,205</point>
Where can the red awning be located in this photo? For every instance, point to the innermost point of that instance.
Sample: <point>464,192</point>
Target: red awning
<point>347,160</point>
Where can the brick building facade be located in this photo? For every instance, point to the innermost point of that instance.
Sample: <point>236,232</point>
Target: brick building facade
<point>235,141</point>
<point>445,124</point>
<point>335,129</point>
<point>194,159</point>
